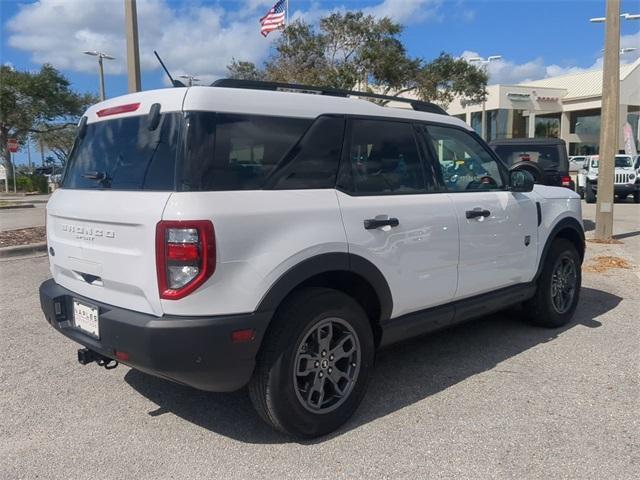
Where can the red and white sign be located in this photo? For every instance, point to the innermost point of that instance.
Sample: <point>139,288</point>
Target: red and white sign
<point>12,145</point>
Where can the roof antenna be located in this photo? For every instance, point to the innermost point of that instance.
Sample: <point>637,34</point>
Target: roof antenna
<point>175,83</point>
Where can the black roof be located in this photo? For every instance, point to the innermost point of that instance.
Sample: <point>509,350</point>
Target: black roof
<point>527,141</point>
<point>333,92</point>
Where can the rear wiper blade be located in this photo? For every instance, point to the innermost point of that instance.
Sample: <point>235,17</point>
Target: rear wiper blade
<point>94,175</point>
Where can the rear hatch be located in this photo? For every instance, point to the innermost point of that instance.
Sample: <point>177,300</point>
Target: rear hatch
<point>101,224</point>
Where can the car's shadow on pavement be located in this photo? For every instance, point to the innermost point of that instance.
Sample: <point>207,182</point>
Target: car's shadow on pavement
<point>404,374</point>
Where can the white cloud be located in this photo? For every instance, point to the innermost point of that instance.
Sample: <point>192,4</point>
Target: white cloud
<point>506,71</point>
<point>406,11</point>
<point>195,38</point>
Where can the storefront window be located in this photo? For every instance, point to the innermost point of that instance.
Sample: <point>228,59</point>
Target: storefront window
<point>585,122</point>
<point>497,121</point>
<point>519,127</point>
<point>548,126</point>
<point>476,122</point>
<point>583,148</point>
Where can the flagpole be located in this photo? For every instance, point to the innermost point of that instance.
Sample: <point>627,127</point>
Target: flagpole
<point>286,14</point>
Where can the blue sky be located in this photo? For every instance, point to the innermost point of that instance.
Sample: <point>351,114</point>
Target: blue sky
<point>536,38</point>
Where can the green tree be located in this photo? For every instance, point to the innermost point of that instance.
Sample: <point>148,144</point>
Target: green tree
<point>36,103</point>
<point>58,141</point>
<point>244,70</point>
<point>353,50</point>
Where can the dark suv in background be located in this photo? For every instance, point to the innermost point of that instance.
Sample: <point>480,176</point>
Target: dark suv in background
<point>545,158</point>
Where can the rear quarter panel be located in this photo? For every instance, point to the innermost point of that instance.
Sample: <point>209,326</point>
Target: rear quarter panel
<point>259,236</point>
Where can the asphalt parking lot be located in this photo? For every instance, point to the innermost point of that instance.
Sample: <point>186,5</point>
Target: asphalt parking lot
<point>494,398</point>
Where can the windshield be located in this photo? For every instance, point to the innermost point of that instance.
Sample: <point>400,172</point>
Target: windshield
<point>623,162</point>
<point>123,154</point>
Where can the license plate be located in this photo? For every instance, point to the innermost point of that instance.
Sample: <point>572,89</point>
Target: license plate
<point>85,318</point>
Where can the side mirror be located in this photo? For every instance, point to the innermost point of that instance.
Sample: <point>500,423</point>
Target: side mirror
<point>520,181</point>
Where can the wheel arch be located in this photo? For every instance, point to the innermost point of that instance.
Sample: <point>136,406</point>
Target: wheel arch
<point>349,273</point>
<point>569,229</point>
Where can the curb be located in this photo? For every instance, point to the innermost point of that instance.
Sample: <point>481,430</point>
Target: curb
<point>19,250</point>
<point>25,205</point>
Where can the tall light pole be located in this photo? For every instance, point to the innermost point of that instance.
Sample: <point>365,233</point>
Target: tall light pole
<point>609,117</point>
<point>100,56</point>
<point>484,62</point>
<point>133,53</point>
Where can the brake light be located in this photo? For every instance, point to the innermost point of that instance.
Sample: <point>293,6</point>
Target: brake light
<point>566,181</point>
<point>105,112</point>
<point>185,256</point>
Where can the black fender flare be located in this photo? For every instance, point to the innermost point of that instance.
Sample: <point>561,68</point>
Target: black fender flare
<point>329,262</point>
<point>568,223</point>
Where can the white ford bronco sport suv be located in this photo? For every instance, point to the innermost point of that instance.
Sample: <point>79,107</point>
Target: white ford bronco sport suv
<point>240,235</point>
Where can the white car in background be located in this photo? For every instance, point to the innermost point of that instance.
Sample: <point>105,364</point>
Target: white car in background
<point>576,163</point>
<point>626,179</point>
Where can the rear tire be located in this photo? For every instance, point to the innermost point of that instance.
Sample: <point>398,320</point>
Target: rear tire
<point>315,363</point>
<point>589,194</point>
<point>558,287</point>
<point>636,197</point>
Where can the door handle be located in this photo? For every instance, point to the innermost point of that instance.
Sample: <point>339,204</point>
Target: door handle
<point>373,223</point>
<point>477,213</point>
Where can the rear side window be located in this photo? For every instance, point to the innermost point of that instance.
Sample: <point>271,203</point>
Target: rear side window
<point>123,154</point>
<point>314,161</point>
<point>235,152</point>
<point>384,159</point>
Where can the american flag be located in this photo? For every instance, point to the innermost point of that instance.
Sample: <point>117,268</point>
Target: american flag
<point>274,19</point>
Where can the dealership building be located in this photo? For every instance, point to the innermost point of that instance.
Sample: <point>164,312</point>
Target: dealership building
<point>566,107</point>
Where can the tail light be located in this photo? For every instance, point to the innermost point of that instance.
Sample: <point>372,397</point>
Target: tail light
<point>185,256</point>
<point>566,181</point>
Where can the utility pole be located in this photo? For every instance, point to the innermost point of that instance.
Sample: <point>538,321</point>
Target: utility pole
<point>133,54</point>
<point>609,122</point>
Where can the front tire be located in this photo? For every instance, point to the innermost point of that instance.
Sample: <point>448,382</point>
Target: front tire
<point>558,289</point>
<point>636,197</point>
<point>315,363</point>
<point>589,194</point>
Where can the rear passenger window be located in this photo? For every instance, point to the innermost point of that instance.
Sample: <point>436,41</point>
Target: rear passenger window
<point>235,152</point>
<point>314,161</point>
<point>465,163</point>
<point>384,158</point>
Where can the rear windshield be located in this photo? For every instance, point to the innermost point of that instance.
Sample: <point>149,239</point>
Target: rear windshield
<point>124,154</point>
<point>547,156</point>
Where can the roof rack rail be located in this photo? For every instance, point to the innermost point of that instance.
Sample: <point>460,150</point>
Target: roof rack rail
<point>333,92</point>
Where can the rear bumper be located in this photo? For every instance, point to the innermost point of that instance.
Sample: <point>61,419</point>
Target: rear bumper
<point>194,351</point>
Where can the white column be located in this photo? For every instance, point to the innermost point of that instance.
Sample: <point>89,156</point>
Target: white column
<point>624,109</point>
<point>532,125</point>
<point>565,119</point>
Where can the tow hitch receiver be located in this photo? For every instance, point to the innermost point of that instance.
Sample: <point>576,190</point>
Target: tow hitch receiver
<point>86,356</point>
